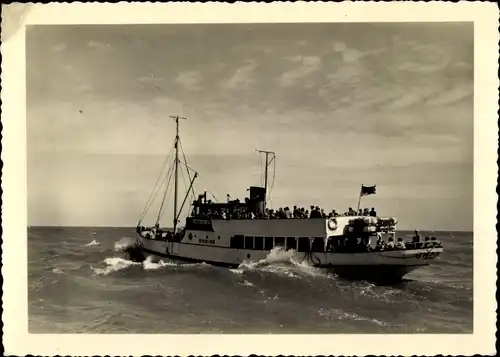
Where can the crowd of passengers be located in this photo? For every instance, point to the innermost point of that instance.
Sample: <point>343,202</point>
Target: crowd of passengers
<point>282,213</point>
<point>364,244</point>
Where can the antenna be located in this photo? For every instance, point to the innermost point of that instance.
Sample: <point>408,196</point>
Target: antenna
<point>268,162</point>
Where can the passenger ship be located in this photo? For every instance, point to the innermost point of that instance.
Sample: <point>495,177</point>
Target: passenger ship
<point>229,233</point>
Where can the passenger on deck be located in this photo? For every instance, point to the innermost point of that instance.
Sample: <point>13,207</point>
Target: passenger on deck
<point>435,242</point>
<point>380,244</point>
<point>390,244</point>
<point>416,237</point>
<point>373,213</point>
<point>400,244</point>
<point>360,212</point>
<point>427,243</point>
<point>367,242</point>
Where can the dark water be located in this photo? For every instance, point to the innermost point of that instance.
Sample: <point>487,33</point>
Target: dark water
<point>80,281</point>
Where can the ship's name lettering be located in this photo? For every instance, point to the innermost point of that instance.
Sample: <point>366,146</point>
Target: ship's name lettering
<point>427,255</point>
<point>207,241</point>
<point>201,221</point>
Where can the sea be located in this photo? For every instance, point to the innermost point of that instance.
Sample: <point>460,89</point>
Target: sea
<point>82,281</point>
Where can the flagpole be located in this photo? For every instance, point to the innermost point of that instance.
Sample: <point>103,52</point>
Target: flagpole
<point>359,199</point>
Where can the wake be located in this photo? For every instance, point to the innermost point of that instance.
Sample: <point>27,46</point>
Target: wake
<point>116,264</point>
<point>93,243</point>
<point>283,262</point>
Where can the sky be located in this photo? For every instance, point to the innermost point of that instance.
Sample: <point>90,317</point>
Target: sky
<point>340,104</point>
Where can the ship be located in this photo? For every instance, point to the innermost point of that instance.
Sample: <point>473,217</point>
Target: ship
<point>354,245</point>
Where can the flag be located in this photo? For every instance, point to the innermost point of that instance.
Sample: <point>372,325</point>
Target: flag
<point>368,190</point>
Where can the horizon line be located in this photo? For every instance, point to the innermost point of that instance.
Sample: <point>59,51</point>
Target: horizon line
<point>133,227</point>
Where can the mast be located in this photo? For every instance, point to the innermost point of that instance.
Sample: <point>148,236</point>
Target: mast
<point>268,162</point>
<point>176,169</point>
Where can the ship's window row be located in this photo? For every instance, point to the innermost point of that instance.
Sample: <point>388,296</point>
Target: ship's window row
<point>301,244</point>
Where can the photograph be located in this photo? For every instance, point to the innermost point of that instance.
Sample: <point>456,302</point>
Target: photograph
<point>199,179</point>
<point>234,178</point>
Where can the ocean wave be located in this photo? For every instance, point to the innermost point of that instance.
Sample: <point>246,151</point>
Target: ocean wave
<point>94,242</point>
<point>246,283</point>
<point>123,244</point>
<point>114,264</point>
<point>283,262</point>
<point>343,315</point>
<point>148,264</point>
<point>57,271</point>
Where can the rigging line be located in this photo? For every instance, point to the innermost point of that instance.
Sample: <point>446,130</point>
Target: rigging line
<point>158,190</point>
<point>150,203</point>
<point>169,193</point>
<point>160,212</point>
<point>152,194</point>
<point>274,176</point>
<point>189,191</point>
<point>167,159</point>
<point>166,197</point>
<point>261,177</point>
<point>185,163</point>
<point>215,198</point>
<point>187,188</point>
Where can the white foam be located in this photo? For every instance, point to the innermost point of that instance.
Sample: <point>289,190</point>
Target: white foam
<point>94,242</point>
<point>285,262</point>
<point>114,264</point>
<point>57,271</point>
<point>246,283</point>
<point>148,264</point>
<point>236,271</point>
<point>123,244</point>
<point>341,315</point>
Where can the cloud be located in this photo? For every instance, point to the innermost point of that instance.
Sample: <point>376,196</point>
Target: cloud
<point>451,96</point>
<point>350,55</point>
<point>98,45</point>
<point>58,48</point>
<point>190,80</point>
<point>151,79</point>
<point>242,77</point>
<point>306,66</point>
<point>83,88</point>
<point>406,100</point>
<point>252,48</point>
<point>422,67</point>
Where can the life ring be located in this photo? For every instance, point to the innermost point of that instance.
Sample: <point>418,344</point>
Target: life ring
<point>332,224</point>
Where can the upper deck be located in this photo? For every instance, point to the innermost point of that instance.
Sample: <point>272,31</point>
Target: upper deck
<point>292,227</point>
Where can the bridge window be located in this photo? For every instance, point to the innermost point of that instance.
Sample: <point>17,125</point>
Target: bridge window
<point>318,245</point>
<point>291,243</point>
<point>303,244</point>
<point>248,242</point>
<point>279,242</point>
<point>268,243</point>
<point>259,243</point>
<point>236,242</point>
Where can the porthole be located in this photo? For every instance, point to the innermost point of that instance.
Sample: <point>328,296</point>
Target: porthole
<point>248,256</point>
<point>190,236</point>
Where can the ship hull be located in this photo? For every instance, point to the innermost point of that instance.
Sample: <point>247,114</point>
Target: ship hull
<point>387,267</point>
